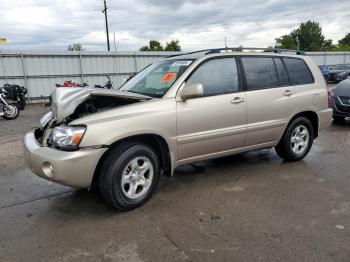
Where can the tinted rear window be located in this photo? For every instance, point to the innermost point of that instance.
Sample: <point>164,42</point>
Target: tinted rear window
<point>260,72</point>
<point>298,71</point>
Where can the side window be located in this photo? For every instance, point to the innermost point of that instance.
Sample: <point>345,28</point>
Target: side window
<point>217,76</point>
<point>260,72</point>
<point>298,71</point>
<point>281,72</point>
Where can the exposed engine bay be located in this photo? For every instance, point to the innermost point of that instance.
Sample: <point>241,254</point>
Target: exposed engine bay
<point>69,104</point>
<point>76,102</point>
<point>95,104</point>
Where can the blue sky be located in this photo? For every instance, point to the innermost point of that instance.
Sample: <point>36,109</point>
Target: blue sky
<point>39,24</point>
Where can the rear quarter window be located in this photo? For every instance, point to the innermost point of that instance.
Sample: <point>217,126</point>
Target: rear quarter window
<point>298,71</point>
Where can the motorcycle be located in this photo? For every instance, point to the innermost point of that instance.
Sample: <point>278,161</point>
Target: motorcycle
<point>71,84</point>
<point>7,111</point>
<point>107,85</point>
<point>16,94</point>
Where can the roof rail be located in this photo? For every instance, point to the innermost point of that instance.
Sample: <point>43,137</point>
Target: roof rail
<point>189,53</point>
<point>269,49</point>
<point>240,49</point>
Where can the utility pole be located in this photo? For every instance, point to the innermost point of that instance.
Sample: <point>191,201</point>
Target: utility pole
<point>298,43</point>
<point>105,12</point>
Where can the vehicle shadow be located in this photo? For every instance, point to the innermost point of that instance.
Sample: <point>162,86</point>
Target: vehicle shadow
<point>228,162</point>
<point>345,123</point>
<point>220,170</point>
<point>79,203</point>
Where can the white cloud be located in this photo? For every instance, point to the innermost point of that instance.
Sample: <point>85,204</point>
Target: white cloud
<point>198,24</point>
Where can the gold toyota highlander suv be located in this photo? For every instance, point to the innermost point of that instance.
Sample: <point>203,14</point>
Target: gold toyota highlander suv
<point>180,110</point>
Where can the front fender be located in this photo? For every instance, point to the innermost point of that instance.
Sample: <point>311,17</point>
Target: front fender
<point>106,128</point>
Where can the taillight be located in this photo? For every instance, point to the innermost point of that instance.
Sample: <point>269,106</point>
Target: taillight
<point>330,103</point>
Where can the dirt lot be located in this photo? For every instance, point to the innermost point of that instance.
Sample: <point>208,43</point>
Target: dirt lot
<point>249,207</point>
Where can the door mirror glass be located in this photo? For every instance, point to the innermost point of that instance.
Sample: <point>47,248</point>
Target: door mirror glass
<point>192,91</point>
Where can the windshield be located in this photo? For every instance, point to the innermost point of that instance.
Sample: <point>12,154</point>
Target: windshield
<point>157,78</point>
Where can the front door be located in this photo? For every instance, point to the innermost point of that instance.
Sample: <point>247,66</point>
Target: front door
<point>216,122</point>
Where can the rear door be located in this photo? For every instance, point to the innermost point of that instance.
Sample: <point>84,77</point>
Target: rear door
<point>216,122</point>
<point>271,100</point>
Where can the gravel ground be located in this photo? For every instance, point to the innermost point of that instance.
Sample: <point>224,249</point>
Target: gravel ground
<point>248,207</point>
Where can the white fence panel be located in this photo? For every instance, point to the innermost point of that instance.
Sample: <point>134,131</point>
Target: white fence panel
<point>330,58</point>
<point>40,71</point>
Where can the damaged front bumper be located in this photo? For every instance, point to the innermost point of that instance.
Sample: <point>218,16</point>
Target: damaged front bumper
<point>75,169</point>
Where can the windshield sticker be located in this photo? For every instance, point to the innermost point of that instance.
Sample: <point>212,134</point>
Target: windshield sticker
<point>181,63</point>
<point>168,77</point>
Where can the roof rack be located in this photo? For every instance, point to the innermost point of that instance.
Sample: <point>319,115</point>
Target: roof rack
<point>190,53</point>
<point>241,49</point>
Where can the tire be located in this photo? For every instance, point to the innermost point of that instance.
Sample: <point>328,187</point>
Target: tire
<point>338,119</point>
<point>300,130</point>
<point>121,183</point>
<point>12,112</point>
<point>21,104</point>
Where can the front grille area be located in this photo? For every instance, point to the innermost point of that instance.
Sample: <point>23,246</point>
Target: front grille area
<point>345,100</point>
<point>342,108</point>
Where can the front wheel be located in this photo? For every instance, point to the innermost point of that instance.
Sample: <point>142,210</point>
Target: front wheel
<point>297,140</point>
<point>21,103</point>
<point>10,112</point>
<point>129,176</point>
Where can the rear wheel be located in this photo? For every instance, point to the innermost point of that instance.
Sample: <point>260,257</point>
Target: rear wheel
<point>297,140</point>
<point>129,176</point>
<point>10,112</point>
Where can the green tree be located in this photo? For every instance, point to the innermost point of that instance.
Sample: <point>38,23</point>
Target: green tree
<point>153,45</point>
<point>287,41</point>
<point>345,41</point>
<point>144,48</point>
<point>328,44</point>
<point>340,48</point>
<point>172,46</point>
<point>343,44</point>
<point>75,47</point>
<point>309,35</point>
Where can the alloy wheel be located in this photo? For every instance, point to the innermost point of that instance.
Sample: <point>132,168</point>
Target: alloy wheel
<point>300,139</point>
<point>137,177</point>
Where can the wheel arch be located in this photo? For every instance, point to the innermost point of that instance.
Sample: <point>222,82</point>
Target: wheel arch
<point>310,115</point>
<point>155,141</point>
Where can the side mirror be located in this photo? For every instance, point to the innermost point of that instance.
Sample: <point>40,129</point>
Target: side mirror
<point>191,91</point>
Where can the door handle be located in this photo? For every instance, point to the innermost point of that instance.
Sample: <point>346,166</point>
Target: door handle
<point>288,93</point>
<point>237,100</point>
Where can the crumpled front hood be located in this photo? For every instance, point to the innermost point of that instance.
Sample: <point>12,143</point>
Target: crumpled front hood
<point>64,100</point>
<point>342,89</point>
